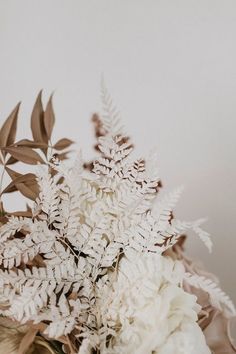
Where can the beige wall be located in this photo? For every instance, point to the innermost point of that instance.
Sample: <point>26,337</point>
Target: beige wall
<point>171,67</point>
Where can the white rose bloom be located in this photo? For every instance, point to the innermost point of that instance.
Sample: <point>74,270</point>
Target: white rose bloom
<point>150,311</point>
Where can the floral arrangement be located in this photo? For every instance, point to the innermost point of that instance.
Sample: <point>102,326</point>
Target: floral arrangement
<point>96,262</point>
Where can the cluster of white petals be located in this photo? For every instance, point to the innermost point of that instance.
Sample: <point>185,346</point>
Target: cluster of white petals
<point>150,309</point>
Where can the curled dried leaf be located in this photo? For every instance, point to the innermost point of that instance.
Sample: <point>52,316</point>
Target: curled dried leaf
<point>63,144</point>
<point>25,154</point>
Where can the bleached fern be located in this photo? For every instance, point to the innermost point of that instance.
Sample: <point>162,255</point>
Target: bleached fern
<point>82,224</point>
<point>178,227</point>
<point>217,296</point>
<point>111,116</point>
<point>163,210</point>
<point>48,199</point>
<point>13,225</point>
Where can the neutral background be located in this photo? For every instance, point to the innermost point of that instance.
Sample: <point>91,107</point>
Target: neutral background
<point>171,68</point>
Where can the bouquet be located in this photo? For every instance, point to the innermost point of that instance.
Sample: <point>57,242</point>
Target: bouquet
<point>95,264</point>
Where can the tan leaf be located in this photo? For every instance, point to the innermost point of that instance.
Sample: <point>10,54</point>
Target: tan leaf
<point>30,143</point>
<point>63,144</point>
<point>49,118</point>
<point>62,156</point>
<point>27,340</point>
<point>28,190</point>
<point>37,261</point>
<point>25,154</point>
<point>12,174</point>
<point>10,188</point>
<point>26,184</point>
<point>18,178</point>
<point>37,121</point>
<point>8,130</point>
<point>11,161</point>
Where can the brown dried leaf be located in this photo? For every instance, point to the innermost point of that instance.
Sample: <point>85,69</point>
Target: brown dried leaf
<point>19,178</point>
<point>8,130</point>
<point>25,154</point>
<point>26,184</point>
<point>49,118</point>
<point>27,340</point>
<point>11,187</point>
<point>11,161</point>
<point>63,144</point>
<point>37,261</point>
<point>37,121</point>
<point>62,156</point>
<point>28,190</point>
<point>30,143</point>
<point>12,174</point>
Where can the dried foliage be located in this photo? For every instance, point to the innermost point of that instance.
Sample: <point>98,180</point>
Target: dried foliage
<point>39,150</point>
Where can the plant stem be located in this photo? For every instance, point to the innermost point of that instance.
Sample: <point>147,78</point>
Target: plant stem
<point>1,182</point>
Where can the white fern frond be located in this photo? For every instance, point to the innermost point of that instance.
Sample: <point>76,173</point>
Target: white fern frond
<point>64,321</point>
<point>202,234</point>
<point>13,225</point>
<point>217,296</point>
<point>48,199</point>
<point>179,227</point>
<point>111,116</point>
<point>162,210</point>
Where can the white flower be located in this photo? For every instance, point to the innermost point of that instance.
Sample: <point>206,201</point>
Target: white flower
<point>149,309</point>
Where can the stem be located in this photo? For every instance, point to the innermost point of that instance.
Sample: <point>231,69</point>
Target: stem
<point>50,151</point>
<point>1,182</point>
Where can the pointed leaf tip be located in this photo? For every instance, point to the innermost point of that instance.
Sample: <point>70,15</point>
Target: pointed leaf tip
<point>37,120</point>
<point>63,144</point>
<point>49,118</point>
<point>8,130</point>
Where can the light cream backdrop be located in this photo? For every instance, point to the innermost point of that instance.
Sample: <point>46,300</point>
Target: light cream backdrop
<point>171,68</point>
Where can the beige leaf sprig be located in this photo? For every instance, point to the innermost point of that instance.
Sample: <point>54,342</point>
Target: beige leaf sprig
<point>39,150</point>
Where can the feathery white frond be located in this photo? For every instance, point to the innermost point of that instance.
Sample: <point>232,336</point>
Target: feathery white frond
<point>111,116</point>
<point>217,296</point>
